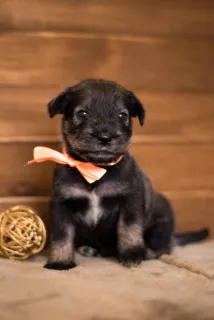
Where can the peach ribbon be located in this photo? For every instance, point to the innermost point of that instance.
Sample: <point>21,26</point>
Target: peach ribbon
<point>90,172</point>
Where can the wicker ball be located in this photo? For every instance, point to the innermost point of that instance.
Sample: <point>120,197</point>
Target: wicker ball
<point>22,233</point>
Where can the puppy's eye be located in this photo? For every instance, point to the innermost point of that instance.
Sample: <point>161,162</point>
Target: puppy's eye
<point>123,116</point>
<point>82,114</point>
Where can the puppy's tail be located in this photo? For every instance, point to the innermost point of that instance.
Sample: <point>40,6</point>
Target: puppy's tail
<point>182,239</point>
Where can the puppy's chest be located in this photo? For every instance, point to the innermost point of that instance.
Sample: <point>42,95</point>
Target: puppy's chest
<point>86,207</point>
<point>95,211</point>
<point>89,207</point>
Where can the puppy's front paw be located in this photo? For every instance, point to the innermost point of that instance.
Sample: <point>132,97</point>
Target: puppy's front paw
<point>60,265</point>
<point>132,257</point>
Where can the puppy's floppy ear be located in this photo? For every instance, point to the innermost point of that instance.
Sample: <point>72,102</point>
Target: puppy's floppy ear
<point>58,104</point>
<point>136,108</point>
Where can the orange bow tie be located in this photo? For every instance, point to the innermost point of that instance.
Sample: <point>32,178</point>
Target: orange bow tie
<point>90,172</point>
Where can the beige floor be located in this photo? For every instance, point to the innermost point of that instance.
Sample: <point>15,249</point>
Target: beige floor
<point>179,288</point>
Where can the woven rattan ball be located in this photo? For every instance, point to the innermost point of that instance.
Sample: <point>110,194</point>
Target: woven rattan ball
<point>22,233</point>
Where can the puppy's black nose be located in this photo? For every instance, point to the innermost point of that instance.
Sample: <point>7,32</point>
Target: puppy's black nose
<point>104,138</point>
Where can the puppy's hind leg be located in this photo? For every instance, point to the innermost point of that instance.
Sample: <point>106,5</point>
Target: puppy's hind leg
<point>61,254</point>
<point>87,251</point>
<point>159,236</point>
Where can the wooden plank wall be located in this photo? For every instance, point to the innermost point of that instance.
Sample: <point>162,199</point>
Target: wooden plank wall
<point>163,50</point>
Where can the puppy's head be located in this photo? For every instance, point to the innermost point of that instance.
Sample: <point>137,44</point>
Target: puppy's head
<point>97,119</point>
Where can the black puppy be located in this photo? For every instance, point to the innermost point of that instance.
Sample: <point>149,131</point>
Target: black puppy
<point>121,214</point>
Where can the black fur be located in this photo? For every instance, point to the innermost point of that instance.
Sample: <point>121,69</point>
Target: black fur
<point>121,214</point>
<point>191,237</point>
<point>132,256</point>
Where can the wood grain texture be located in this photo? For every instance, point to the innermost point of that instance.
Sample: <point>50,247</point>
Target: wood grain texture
<point>171,167</point>
<point>150,64</point>
<point>121,16</point>
<point>177,167</point>
<point>18,180</point>
<point>183,115</point>
<point>192,212</point>
<point>24,113</point>
<point>171,118</point>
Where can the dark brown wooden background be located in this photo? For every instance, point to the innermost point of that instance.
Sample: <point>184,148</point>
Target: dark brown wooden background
<point>163,50</point>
